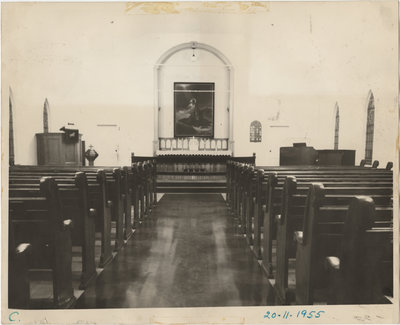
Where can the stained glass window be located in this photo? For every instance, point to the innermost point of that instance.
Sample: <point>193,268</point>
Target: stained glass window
<point>255,131</point>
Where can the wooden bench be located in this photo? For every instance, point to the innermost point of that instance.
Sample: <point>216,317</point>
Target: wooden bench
<point>133,183</point>
<point>127,190</point>
<point>37,218</point>
<point>74,196</point>
<point>99,203</point>
<point>246,199</point>
<point>270,200</point>
<point>330,231</point>
<point>141,188</point>
<point>362,272</point>
<point>150,170</point>
<point>290,219</point>
<point>238,197</point>
<point>146,183</point>
<point>238,185</point>
<point>250,187</point>
<point>267,206</point>
<point>18,276</point>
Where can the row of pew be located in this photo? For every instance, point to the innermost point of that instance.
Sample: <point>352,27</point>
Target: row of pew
<point>324,235</point>
<point>53,209</point>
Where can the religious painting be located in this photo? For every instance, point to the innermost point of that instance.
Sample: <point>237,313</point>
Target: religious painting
<point>194,109</point>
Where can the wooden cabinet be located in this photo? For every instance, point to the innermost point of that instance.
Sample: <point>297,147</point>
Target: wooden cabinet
<point>53,150</point>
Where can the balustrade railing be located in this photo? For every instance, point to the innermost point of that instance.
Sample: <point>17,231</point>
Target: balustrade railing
<point>194,144</point>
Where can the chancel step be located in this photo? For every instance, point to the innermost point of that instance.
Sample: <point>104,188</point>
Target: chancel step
<point>191,187</point>
<point>196,183</point>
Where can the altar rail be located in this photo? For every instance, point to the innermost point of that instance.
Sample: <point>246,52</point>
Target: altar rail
<point>193,144</point>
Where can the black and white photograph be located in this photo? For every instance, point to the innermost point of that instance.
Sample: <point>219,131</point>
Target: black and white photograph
<point>200,162</point>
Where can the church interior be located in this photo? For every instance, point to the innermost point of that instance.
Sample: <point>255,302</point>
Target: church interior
<point>201,154</point>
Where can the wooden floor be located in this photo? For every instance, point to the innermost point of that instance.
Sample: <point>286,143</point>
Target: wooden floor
<point>187,254</point>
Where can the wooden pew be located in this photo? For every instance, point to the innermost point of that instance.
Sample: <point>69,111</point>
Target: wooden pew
<point>362,272</point>
<point>324,229</point>
<point>231,185</point>
<point>271,204</point>
<point>250,187</point>
<point>118,192</point>
<point>235,187</point>
<point>243,192</point>
<point>114,198</point>
<point>231,164</point>
<point>135,185</point>
<point>18,277</point>
<point>141,177</point>
<point>362,166</point>
<point>259,210</point>
<point>153,180</point>
<point>141,191</point>
<point>74,196</point>
<point>37,218</point>
<point>114,195</point>
<point>273,186</point>
<point>147,180</point>
<point>99,207</point>
<point>240,197</point>
<point>292,214</point>
<point>229,169</point>
<point>269,182</point>
<point>127,190</point>
<point>103,204</point>
<point>104,201</point>
<point>232,175</point>
<point>112,178</point>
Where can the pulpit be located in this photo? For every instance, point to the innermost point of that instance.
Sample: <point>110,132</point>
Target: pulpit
<point>53,149</point>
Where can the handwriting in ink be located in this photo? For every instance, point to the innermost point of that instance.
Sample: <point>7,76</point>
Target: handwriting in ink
<point>12,316</point>
<point>300,314</point>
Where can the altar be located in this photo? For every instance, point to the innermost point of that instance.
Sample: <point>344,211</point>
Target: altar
<point>191,171</point>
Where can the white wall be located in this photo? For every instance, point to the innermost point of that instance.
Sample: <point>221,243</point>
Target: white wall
<point>95,64</point>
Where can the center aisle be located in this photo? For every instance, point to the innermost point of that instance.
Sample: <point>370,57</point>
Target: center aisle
<point>187,254</point>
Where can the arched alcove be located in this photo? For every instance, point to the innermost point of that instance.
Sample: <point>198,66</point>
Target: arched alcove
<point>206,71</point>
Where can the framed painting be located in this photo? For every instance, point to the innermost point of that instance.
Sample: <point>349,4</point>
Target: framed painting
<point>194,109</point>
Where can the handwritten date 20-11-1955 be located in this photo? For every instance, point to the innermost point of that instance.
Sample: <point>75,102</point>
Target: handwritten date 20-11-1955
<point>300,314</point>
